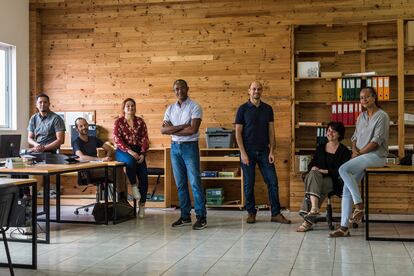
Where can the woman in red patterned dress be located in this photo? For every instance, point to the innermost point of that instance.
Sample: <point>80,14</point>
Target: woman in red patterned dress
<point>131,139</point>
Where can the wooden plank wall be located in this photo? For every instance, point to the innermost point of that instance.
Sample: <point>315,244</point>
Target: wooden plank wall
<point>92,54</point>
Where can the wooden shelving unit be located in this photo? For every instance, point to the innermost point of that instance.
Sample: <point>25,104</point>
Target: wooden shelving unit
<point>361,47</point>
<point>347,49</point>
<point>219,160</point>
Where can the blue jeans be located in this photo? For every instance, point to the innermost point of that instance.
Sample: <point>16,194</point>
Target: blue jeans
<point>133,169</point>
<point>352,173</point>
<point>185,160</point>
<point>269,175</point>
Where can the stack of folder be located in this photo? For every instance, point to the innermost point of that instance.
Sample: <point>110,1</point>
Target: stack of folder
<point>381,85</point>
<point>346,112</point>
<point>347,89</point>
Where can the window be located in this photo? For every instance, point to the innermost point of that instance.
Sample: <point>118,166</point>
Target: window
<point>6,96</point>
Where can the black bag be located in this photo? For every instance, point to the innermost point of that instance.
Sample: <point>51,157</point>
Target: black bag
<point>406,160</point>
<point>123,211</point>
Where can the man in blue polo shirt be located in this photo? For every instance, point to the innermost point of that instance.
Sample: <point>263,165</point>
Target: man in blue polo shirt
<point>255,137</point>
<point>46,130</point>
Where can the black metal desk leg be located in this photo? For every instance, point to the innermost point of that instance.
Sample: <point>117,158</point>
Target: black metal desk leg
<point>366,207</point>
<point>58,198</point>
<point>34,226</point>
<point>114,193</point>
<point>106,196</point>
<point>46,204</point>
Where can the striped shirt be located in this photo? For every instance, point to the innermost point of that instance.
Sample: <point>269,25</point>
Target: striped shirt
<point>375,129</point>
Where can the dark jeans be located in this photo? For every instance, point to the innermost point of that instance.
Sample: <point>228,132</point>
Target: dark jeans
<point>185,160</point>
<point>269,175</point>
<point>133,169</point>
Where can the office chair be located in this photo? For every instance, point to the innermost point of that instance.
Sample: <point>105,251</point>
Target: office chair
<point>85,179</point>
<point>158,172</point>
<point>8,198</point>
<point>328,217</point>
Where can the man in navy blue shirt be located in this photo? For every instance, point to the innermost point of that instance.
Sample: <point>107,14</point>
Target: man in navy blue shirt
<point>255,137</point>
<point>85,147</point>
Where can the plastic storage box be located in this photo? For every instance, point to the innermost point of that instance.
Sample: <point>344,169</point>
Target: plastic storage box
<point>218,137</point>
<point>214,196</point>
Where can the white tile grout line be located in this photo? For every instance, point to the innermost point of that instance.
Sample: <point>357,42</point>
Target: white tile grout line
<point>251,226</point>
<point>372,256</point>
<point>411,257</point>
<point>301,243</point>
<point>189,251</point>
<point>274,233</point>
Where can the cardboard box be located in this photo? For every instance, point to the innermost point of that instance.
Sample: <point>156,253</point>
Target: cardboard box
<point>301,163</point>
<point>308,69</point>
<point>410,33</point>
<point>332,75</point>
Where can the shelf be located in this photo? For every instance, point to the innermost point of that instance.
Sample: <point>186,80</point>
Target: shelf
<point>342,51</point>
<point>219,149</point>
<point>155,176</point>
<point>409,72</point>
<point>222,178</point>
<point>347,126</point>
<point>305,149</point>
<point>318,78</point>
<point>219,159</point>
<point>225,206</point>
<point>353,101</point>
<point>155,204</point>
<point>313,102</point>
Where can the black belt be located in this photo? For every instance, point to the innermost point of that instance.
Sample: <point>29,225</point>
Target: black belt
<point>184,142</point>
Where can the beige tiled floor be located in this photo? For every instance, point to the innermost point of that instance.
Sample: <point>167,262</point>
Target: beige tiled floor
<point>228,246</point>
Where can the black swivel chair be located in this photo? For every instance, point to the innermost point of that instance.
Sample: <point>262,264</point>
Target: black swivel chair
<point>329,218</point>
<point>158,172</point>
<point>8,197</point>
<point>85,179</point>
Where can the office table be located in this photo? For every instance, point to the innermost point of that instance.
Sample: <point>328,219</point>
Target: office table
<point>23,183</point>
<point>46,171</point>
<point>390,169</point>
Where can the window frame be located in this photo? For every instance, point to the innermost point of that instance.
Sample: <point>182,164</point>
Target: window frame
<point>8,101</point>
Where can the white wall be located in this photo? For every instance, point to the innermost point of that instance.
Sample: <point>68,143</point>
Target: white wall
<point>14,29</point>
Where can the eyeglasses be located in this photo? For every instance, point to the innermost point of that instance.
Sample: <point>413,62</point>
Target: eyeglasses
<point>365,97</point>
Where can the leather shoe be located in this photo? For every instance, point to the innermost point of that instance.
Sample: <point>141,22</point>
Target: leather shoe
<point>281,219</point>
<point>251,218</point>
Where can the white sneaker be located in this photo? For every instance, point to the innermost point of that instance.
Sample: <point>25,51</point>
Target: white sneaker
<point>135,193</point>
<point>141,212</point>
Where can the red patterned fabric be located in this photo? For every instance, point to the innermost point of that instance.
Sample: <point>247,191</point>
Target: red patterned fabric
<point>124,135</point>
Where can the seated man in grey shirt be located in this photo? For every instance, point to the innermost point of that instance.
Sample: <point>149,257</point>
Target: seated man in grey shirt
<point>46,130</point>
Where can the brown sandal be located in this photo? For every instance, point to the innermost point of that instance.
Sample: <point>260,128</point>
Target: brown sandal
<point>339,233</point>
<point>304,227</point>
<point>357,215</point>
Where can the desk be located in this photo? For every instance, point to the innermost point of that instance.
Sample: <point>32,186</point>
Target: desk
<point>22,183</point>
<point>47,170</point>
<point>391,169</point>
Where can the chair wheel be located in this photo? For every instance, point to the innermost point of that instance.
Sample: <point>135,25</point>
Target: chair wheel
<point>354,225</point>
<point>86,210</point>
<point>76,212</point>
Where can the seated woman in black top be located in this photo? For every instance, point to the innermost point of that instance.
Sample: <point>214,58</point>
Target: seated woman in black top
<point>323,177</point>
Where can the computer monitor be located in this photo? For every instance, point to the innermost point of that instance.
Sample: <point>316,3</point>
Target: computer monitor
<point>10,145</point>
